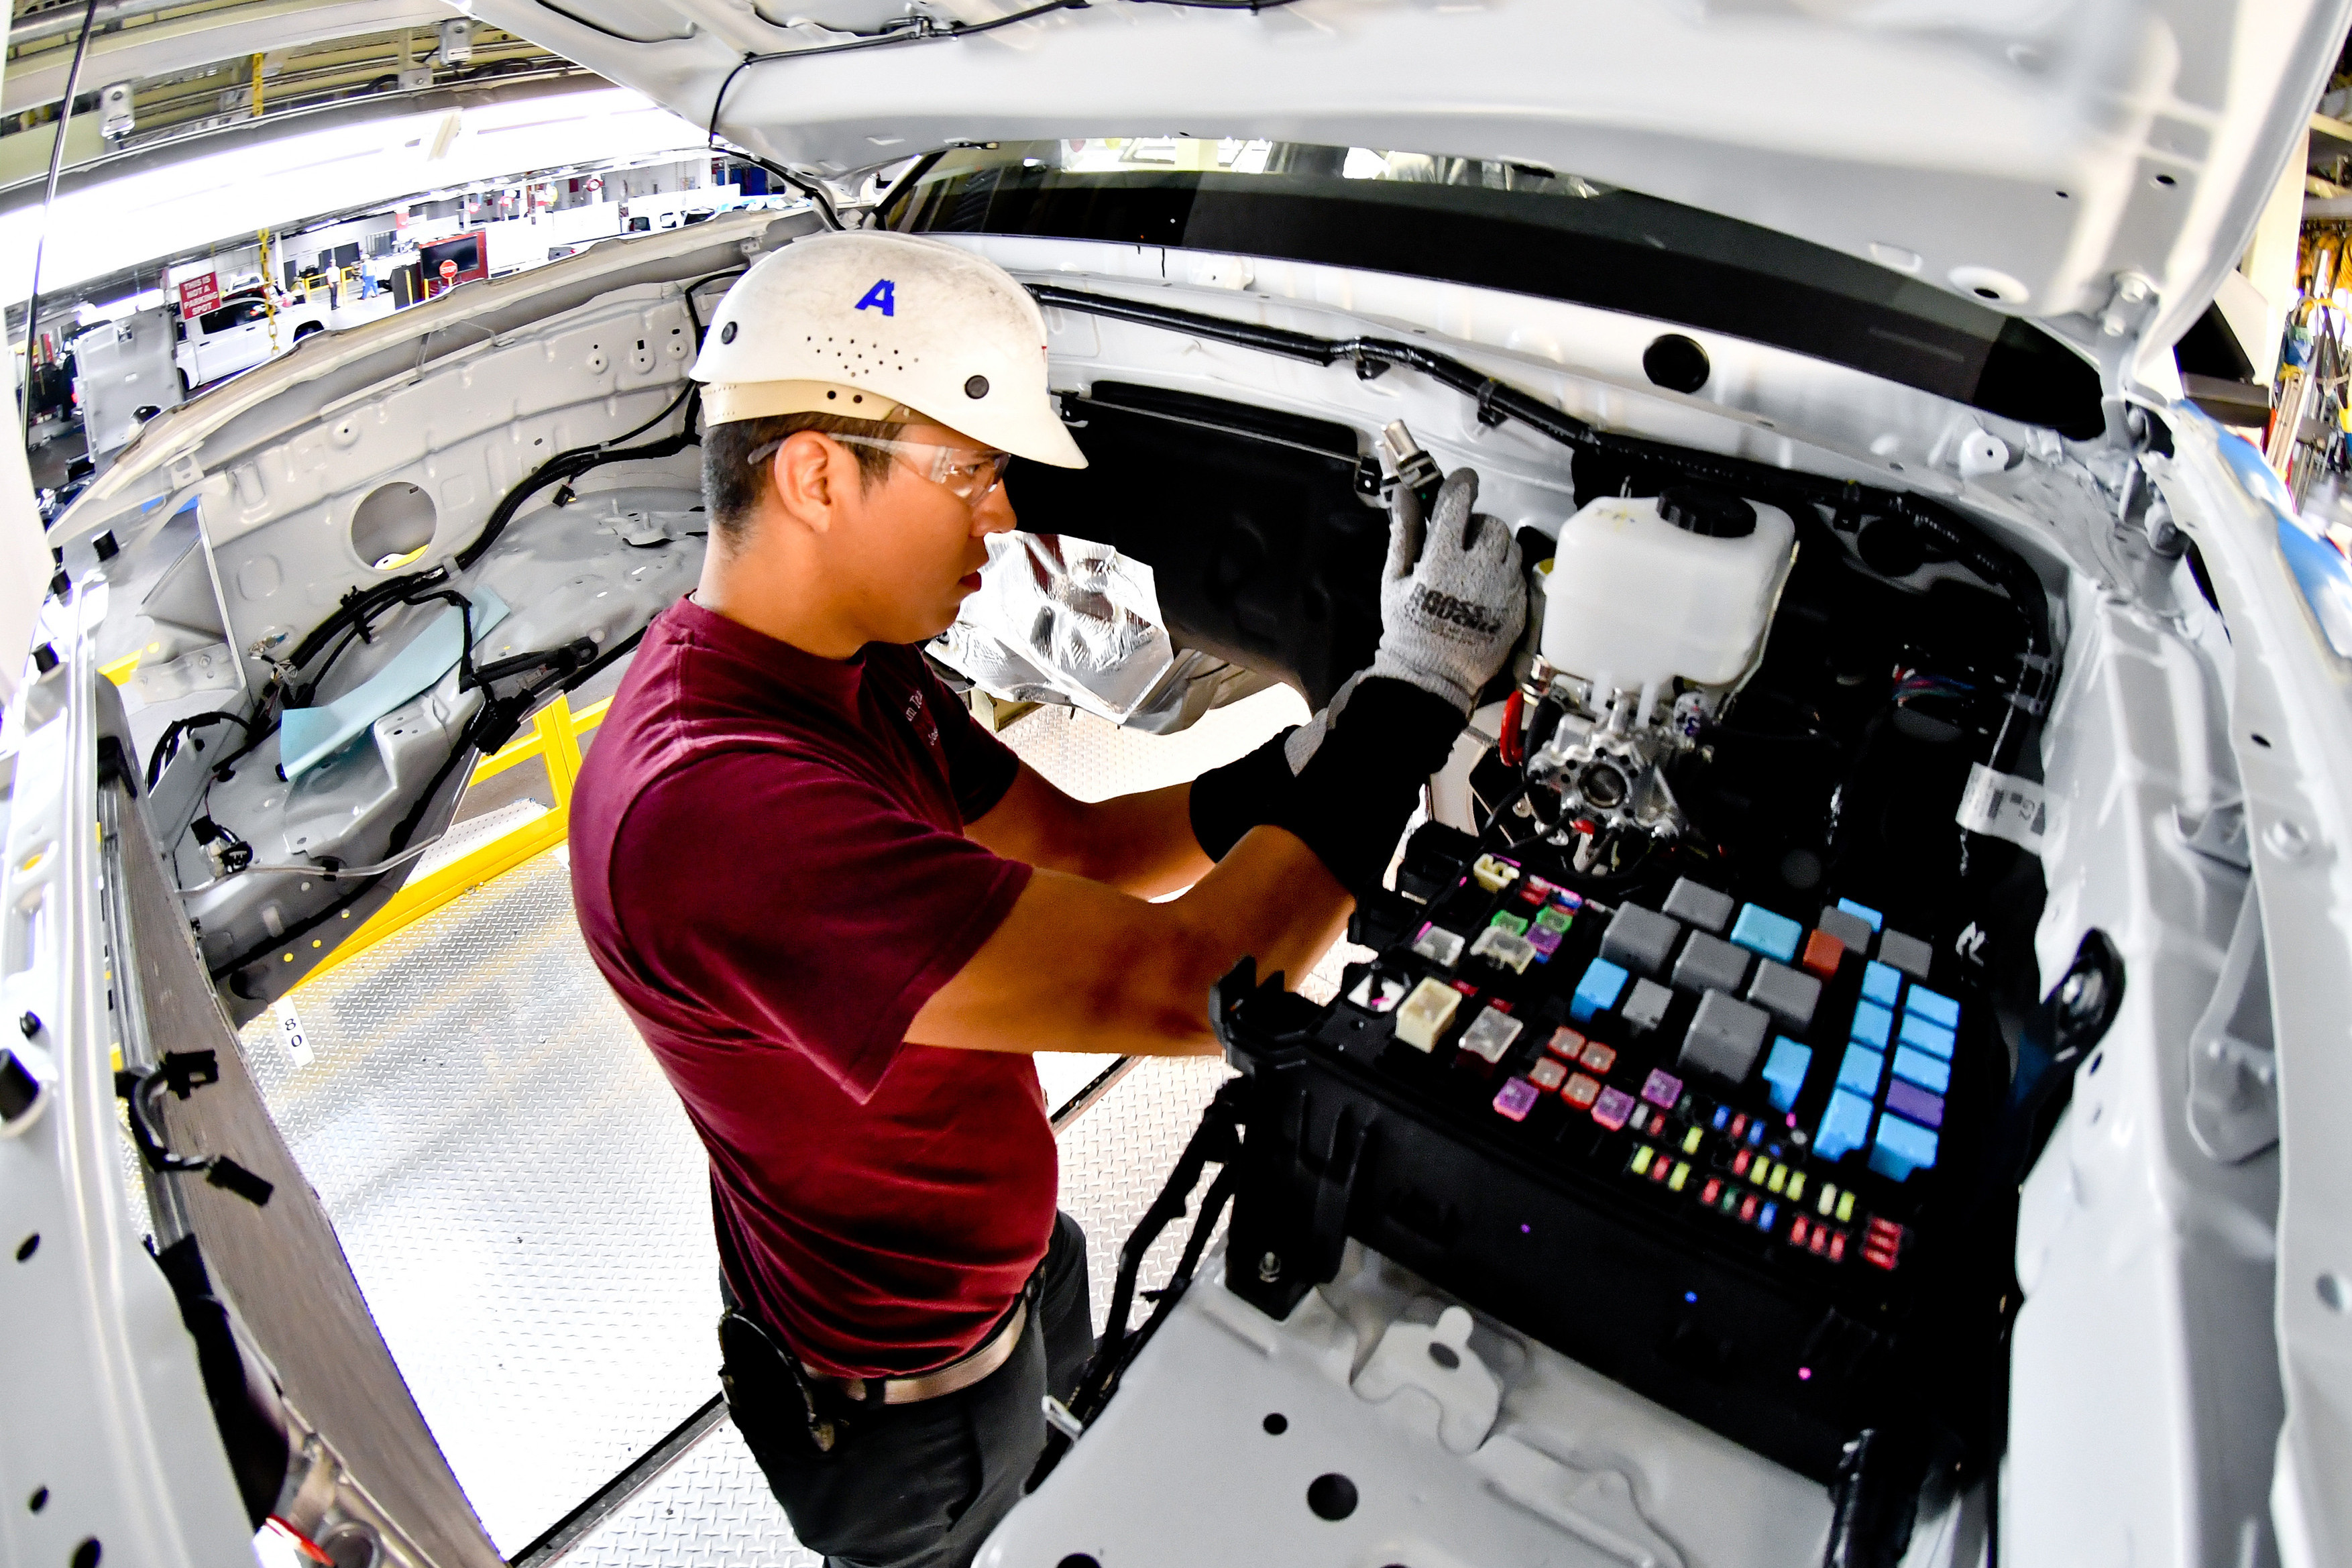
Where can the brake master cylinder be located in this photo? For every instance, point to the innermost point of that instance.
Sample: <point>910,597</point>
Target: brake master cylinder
<point>1655,613</point>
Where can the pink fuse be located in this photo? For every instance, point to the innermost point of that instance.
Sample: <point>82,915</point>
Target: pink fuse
<point>1663,1088</point>
<point>1516,1098</point>
<point>1612,1108</point>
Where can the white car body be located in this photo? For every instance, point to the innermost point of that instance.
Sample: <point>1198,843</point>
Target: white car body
<point>2181,1371</point>
<point>206,357</point>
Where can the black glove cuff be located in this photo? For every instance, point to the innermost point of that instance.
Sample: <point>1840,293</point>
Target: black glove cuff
<point>1351,803</point>
<point>1227,802</point>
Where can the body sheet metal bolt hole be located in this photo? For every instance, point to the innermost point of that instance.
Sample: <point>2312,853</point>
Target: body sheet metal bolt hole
<point>2336,1292</point>
<point>1276,1424</point>
<point>39,1499</point>
<point>29,1245</point>
<point>1079,1560</point>
<point>1331,1496</point>
<point>86,1555</point>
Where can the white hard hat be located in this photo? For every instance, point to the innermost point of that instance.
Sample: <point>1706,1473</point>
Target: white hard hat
<point>861,322</point>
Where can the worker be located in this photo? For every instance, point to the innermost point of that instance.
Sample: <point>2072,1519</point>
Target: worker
<point>843,914</point>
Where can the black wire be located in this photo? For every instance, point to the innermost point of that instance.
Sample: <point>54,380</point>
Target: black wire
<point>49,199</point>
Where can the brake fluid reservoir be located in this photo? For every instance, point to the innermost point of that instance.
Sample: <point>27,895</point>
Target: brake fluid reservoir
<point>1644,590</point>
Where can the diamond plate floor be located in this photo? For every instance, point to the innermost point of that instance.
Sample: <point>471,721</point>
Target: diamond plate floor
<point>526,1207</point>
<point>520,1193</point>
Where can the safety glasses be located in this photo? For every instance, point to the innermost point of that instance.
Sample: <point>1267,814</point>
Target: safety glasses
<point>967,474</point>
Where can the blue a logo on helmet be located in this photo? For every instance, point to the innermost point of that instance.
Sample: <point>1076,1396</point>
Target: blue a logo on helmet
<point>882,294</point>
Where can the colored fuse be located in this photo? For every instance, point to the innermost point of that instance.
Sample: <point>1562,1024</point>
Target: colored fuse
<point>1761,1172</point>
<point>1795,1187</point>
<point>1662,1089</point>
<point>1828,1199</point>
<point>1565,1043</point>
<point>1691,1139</point>
<point>1739,1126</point>
<point>1658,1171</point>
<point>1553,919</point>
<point>1538,885</point>
<point>1612,1108</point>
<point>1872,1025</point>
<point>1765,1216</point>
<point>1517,925</point>
<point>1545,942</point>
<point>1731,1204</point>
<point>1598,989</point>
<point>1599,1057</point>
<point>1747,1207</point>
<point>1863,912</point>
<point>1639,1119</point>
<point>1579,1090</point>
<point>1778,1181</point>
<point>1798,1230</point>
<point>1880,983</point>
<point>1756,1133</point>
<point>1741,1162</point>
<point>1820,1242</point>
<point>1931,1038</point>
<point>1933,1006</point>
<point>1760,931</point>
<point>1493,875</point>
<point>1821,955</point>
<point>1722,1117</point>
<point>1712,1191</point>
<point>1639,1164</point>
<point>1567,900</point>
<point>1490,1033</point>
<point>1682,1173</point>
<point>1439,945</point>
<point>1845,1207</point>
<point>1426,1013</point>
<point>1516,1099</point>
<point>1547,1075</point>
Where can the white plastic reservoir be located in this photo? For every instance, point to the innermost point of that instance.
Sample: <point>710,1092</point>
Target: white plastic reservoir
<point>1644,590</point>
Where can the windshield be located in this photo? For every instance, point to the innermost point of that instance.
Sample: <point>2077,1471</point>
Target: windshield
<point>1510,226</point>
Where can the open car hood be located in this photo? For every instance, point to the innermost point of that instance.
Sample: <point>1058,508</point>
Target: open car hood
<point>2096,165</point>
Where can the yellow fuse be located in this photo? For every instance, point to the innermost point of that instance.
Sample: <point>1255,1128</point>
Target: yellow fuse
<point>1690,1141</point>
<point>1426,1013</point>
<point>1780,1179</point>
<point>1845,1207</point>
<point>1758,1171</point>
<point>1682,1173</point>
<point>1829,1198</point>
<point>1796,1187</point>
<point>1642,1160</point>
<point>1493,875</point>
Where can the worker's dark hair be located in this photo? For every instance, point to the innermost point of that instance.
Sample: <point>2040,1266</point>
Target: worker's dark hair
<point>732,484</point>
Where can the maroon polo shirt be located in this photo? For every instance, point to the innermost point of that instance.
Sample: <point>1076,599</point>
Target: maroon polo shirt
<point>768,864</point>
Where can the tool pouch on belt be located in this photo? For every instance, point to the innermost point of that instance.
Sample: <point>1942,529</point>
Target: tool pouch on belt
<point>776,1408</point>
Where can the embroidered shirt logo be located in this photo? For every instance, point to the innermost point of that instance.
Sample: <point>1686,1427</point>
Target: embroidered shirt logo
<point>883,295</point>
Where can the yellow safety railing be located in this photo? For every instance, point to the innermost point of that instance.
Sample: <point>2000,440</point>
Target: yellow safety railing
<point>554,738</point>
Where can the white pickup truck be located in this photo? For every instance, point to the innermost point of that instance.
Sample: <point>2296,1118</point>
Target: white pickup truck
<point>237,335</point>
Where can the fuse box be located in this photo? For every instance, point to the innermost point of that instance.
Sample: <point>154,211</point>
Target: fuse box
<point>1707,1148</point>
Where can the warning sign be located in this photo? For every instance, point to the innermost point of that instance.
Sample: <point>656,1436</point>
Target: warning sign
<point>200,294</point>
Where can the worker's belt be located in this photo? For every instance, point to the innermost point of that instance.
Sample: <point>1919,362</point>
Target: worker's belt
<point>958,1374</point>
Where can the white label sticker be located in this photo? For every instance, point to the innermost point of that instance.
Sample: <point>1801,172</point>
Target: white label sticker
<point>289,1029</point>
<point>2003,806</point>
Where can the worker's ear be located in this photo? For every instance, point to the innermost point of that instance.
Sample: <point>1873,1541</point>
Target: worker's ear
<point>806,473</point>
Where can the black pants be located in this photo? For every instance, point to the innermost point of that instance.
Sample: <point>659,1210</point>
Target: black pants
<point>920,1485</point>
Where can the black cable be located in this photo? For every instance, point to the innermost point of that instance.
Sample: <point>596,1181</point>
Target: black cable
<point>48,200</point>
<point>581,460</point>
<point>167,744</point>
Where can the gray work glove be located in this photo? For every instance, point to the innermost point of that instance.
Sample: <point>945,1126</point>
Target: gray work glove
<point>1450,615</point>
